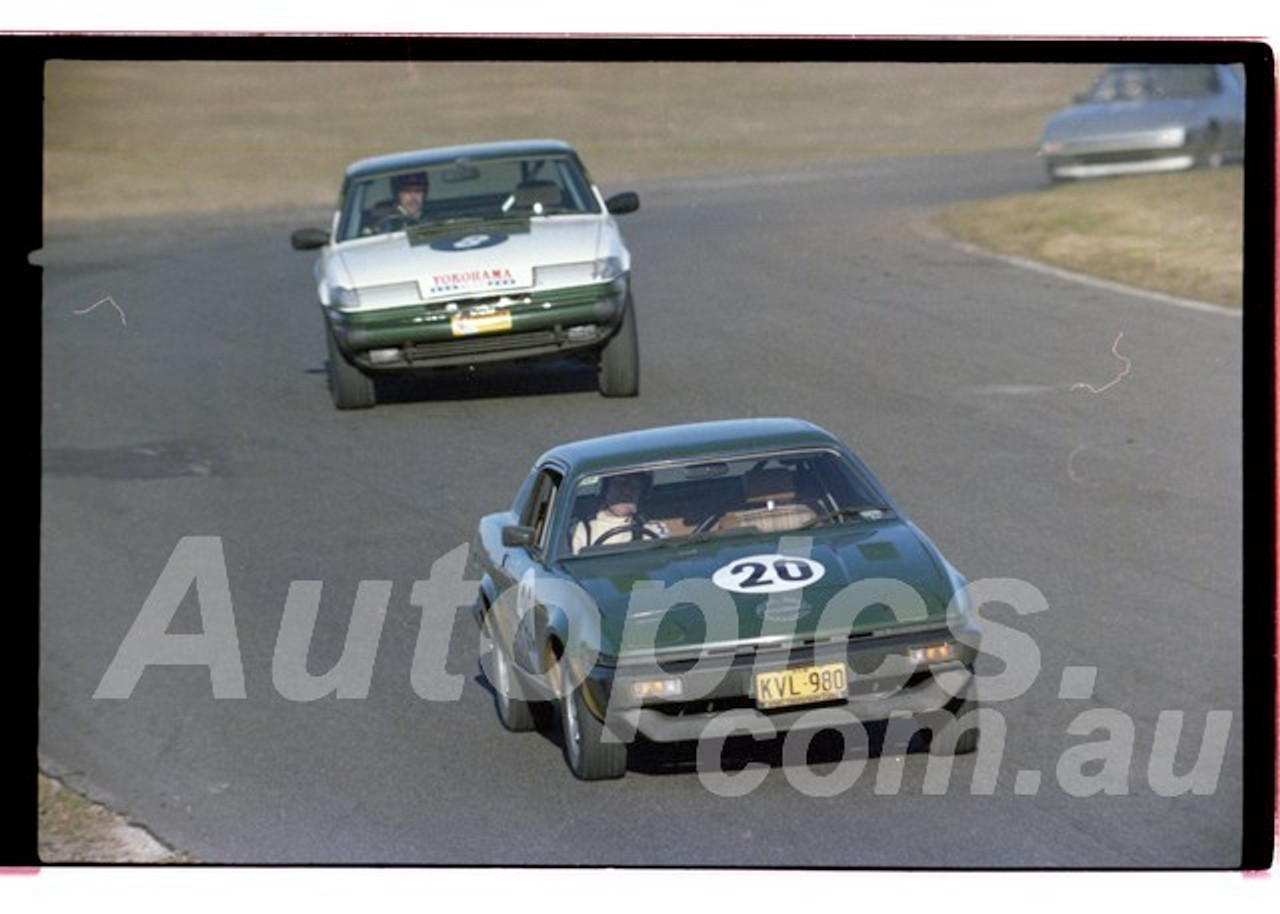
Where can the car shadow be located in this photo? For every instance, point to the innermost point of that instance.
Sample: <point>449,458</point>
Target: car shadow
<point>824,748</point>
<point>482,382</point>
<point>531,379</point>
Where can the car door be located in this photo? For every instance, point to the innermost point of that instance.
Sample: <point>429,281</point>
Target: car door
<point>524,566</point>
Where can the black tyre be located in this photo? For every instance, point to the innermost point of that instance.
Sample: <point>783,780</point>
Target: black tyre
<point>514,713</point>
<point>956,736</point>
<point>590,757</point>
<point>620,359</point>
<point>350,387</point>
<point>1211,151</point>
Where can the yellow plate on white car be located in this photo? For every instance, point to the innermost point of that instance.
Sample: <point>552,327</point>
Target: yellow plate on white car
<point>802,685</point>
<point>471,325</point>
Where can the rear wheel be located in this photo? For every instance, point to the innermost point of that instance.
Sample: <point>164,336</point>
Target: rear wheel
<point>350,387</point>
<point>620,359</point>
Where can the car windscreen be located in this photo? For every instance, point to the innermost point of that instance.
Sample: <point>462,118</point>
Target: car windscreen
<point>466,189</point>
<point>1147,83</point>
<point>675,503</point>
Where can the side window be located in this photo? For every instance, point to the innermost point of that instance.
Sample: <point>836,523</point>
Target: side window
<point>576,189</point>
<point>537,513</point>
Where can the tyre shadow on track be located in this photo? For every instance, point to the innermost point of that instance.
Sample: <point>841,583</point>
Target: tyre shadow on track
<point>531,379</point>
<point>824,748</point>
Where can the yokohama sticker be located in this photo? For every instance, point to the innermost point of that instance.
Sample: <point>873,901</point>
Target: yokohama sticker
<point>488,279</point>
<point>768,574</point>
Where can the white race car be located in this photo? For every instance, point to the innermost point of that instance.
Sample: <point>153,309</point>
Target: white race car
<point>470,254</point>
<point>1148,118</point>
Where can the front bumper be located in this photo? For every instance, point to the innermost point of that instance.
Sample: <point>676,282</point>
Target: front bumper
<point>1130,163</point>
<point>497,329</point>
<point>884,681</point>
<point>1108,155</point>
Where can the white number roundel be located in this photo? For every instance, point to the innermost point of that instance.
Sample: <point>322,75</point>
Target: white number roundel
<point>768,574</point>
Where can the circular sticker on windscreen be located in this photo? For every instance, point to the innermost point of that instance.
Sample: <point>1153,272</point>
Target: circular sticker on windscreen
<point>472,242</point>
<point>768,574</point>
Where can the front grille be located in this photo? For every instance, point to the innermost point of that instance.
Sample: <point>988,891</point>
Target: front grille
<point>704,706</point>
<point>738,696</point>
<point>799,651</point>
<point>477,345</point>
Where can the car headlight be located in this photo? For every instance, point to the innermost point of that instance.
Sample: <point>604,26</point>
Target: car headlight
<point>1171,137</point>
<point>563,274</point>
<point>344,297</point>
<point>657,688</point>
<point>607,269</point>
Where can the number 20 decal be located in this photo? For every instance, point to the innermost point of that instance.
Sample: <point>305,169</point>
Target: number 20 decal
<point>768,574</point>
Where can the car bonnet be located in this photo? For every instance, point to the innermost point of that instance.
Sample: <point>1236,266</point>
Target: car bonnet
<point>1106,118</point>
<point>474,259</point>
<point>648,597</point>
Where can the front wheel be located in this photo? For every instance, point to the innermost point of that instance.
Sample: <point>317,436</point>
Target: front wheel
<point>590,756</point>
<point>1211,150</point>
<point>350,387</point>
<point>515,713</point>
<point>620,358</point>
<point>959,734</point>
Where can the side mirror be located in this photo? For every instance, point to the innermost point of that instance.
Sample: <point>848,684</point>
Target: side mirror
<point>621,204</point>
<point>516,536</point>
<point>308,239</point>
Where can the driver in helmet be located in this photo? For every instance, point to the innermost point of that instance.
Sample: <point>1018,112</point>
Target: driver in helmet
<point>411,195</point>
<point>618,519</point>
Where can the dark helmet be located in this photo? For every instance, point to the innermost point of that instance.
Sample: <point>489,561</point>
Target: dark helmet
<point>411,180</point>
<point>638,482</point>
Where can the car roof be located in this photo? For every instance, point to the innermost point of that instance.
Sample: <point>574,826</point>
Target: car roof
<point>421,158</point>
<point>723,438</point>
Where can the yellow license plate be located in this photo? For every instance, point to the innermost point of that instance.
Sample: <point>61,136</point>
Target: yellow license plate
<point>470,325</point>
<point>802,686</point>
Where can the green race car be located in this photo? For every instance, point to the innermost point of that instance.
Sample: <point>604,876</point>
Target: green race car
<point>744,572</point>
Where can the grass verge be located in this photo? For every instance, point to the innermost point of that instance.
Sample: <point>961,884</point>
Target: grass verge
<point>72,829</point>
<point>129,138</point>
<point>140,138</point>
<point>1181,234</point>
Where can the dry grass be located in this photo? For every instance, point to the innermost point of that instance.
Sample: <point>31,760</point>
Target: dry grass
<point>154,137</point>
<point>139,138</point>
<point>1176,233</point>
<point>74,830</point>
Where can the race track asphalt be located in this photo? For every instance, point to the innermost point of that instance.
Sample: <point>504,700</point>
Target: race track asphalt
<point>1084,440</point>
